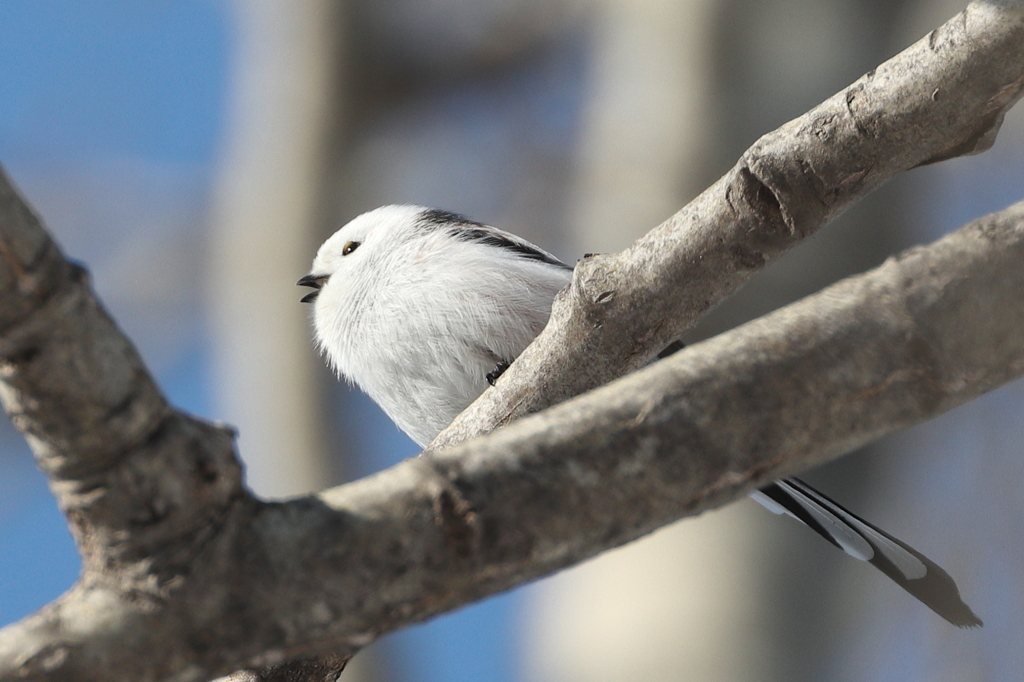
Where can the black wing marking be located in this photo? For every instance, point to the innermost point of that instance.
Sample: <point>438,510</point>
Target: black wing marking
<point>436,217</point>
<point>464,229</point>
<point>492,237</point>
<point>908,568</point>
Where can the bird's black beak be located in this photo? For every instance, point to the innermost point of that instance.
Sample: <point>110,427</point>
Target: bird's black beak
<point>315,281</point>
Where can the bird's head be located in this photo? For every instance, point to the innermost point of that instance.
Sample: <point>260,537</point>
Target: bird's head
<point>357,247</point>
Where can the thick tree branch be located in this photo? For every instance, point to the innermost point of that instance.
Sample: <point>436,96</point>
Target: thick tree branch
<point>926,331</point>
<point>944,96</point>
<point>187,576</point>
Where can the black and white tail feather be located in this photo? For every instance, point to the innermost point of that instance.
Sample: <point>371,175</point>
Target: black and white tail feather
<point>908,568</point>
<point>424,308</point>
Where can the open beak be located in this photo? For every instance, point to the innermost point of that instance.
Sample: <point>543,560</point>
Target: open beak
<point>315,281</point>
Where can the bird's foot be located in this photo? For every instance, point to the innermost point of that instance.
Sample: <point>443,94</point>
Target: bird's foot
<point>498,370</point>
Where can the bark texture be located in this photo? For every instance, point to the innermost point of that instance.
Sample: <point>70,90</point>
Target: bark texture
<point>187,576</point>
<point>942,97</point>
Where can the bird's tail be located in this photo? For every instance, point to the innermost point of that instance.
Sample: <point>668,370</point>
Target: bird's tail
<point>908,568</point>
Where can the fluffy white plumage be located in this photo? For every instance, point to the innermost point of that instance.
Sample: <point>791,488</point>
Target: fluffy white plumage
<point>420,307</point>
<point>426,306</point>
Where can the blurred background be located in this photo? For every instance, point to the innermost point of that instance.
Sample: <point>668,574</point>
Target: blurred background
<point>194,154</point>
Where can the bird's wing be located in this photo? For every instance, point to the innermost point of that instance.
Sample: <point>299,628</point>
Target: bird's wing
<point>492,236</point>
<point>908,568</point>
<point>464,229</point>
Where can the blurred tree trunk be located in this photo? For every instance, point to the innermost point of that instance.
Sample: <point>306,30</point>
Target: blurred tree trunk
<point>287,106</point>
<point>265,228</point>
<point>679,90</point>
<point>652,611</point>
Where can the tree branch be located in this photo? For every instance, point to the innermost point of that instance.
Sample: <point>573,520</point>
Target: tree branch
<point>944,96</point>
<point>925,332</point>
<point>186,576</point>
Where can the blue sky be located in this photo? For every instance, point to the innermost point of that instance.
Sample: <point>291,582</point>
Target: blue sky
<point>88,86</point>
<point>116,77</point>
<point>110,121</point>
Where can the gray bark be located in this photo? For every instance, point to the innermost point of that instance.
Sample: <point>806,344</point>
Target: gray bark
<point>187,576</point>
<point>938,99</point>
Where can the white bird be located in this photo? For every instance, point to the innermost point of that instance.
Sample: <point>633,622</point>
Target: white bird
<point>423,308</point>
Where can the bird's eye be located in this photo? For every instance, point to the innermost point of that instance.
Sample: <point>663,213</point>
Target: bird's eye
<point>349,248</point>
